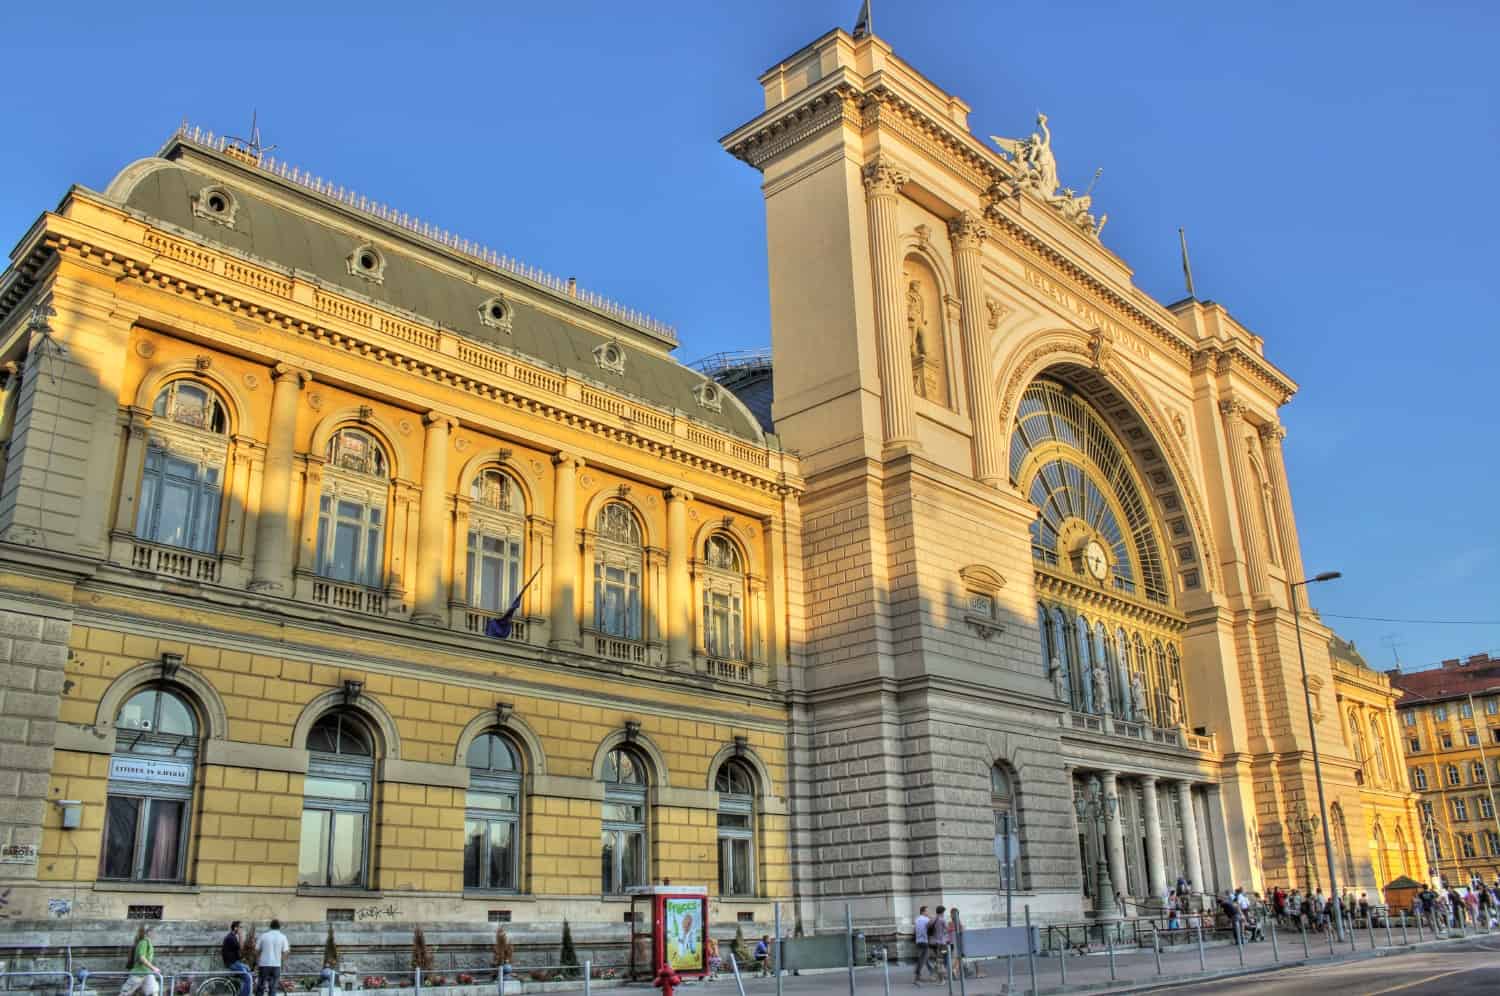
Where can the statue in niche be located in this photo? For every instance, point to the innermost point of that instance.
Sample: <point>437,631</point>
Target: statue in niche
<point>916,325</point>
<point>1101,689</point>
<point>1174,705</point>
<point>1138,699</point>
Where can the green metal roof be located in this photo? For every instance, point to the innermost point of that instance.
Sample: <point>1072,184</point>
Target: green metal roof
<point>279,222</point>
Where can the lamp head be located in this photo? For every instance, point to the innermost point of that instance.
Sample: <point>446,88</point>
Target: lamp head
<point>1328,576</point>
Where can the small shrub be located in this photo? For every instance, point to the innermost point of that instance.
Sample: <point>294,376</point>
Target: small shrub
<point>286,985</point>
<point>330,951</point>
<point>247,949</point>
<point>309,983</point>
<point>183,987</point>
<point>741,953</point>
<point>434,980</point>
<point>465,979</point>
<point>421,954</point>
<point>374,982</point>
<point>569,957</point>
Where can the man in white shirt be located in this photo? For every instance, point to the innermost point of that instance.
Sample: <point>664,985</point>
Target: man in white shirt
<point>919,935</point>
<point>270,948</point>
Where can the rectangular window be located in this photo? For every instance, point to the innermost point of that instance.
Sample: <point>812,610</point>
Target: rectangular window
<point>617,601</point>
<point>1440,714</point>
<point>1472,737</point>
<point>1465,710</point>
<point>332,848</point>
<point>349,541</point>
<point>142,839</point>
<point>489,852</point>
<point>1492,707</point>
<point>1486,809</point>
<point>734,866</point>
<point>1408,718</point>
<point>723,628</point>
<point>1460,809</point>
<point>1493,840</point>
<point>1466,841</point>
<point>1447,741</point>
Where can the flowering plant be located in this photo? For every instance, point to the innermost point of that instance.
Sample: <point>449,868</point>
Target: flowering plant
<point>465,979</point>
<point>374,982</point>
<point>286,985</point>
<point>435,980</point>
<point>183,987</point>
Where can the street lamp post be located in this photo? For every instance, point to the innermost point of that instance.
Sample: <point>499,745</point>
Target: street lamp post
<point>1312,729</point>
<point>1306,825</point>
<point>1429,829</point>
<point>1095,810</point>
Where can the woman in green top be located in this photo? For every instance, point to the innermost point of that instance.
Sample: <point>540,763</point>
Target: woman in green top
<point>144,974</point>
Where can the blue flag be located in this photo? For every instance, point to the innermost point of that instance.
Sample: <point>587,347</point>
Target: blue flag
<point>502,627</point>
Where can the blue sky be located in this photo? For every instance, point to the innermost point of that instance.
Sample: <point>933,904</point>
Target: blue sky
<point>1332,162</point>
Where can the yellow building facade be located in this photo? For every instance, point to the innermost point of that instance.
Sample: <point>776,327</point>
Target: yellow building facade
<point>346,561</point>
<point>1367,705</point>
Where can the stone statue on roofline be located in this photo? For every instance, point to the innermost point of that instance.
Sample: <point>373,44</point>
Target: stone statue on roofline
<point>1038,166</point>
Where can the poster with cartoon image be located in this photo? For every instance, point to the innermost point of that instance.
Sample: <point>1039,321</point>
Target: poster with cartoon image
<point>684,934</point>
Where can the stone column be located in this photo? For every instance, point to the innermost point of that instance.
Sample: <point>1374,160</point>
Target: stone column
<point>1234,438</point>
<point>968,234</point>
<point>1114,836</point>
<point>432,526</point>
<point>565,552</point>
<point>1157,872</point>
<point>883,180</point>
<point>1194,871</point>
<point>1270,438</point>
<point>458,587</point>
<point>137,434</point>
<point>679,584</point>
<point>273,532</point>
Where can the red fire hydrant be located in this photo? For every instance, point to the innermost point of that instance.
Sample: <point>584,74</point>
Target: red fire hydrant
<point>667,980</point>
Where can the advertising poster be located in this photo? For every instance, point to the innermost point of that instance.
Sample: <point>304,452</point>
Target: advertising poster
<point>684,934</point>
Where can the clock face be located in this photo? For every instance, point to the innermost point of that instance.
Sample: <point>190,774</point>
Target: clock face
<point>1095,561</point>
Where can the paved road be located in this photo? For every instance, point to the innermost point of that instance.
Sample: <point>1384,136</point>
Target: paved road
<point>1461,967</point>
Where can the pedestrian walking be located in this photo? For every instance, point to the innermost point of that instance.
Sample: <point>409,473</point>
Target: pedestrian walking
<point>270,949</point>
<point>920,937</point>
<point>234,958</point>
<point>144,978</point>
<point>937,943</point>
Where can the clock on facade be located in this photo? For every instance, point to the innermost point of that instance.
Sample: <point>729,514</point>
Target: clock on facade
<point>1095,561</point>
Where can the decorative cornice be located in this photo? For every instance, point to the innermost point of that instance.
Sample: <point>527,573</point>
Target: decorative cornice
<point>1088,595</point>
<point>820,112</point>
<point>494,376</point>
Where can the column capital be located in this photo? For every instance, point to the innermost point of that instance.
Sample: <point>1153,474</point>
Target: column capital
<point>436,419</point>
<point>564,457</point>
<point>883,177</point>
<point>967,230</point>
<point>1272,434</point>
<point>1232,409</point>
<point>1149,781</point>
<point>285,371</point>
<point>679,494</point>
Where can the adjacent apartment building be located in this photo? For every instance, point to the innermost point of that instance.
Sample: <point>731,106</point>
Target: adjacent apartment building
<point>1450,736</point>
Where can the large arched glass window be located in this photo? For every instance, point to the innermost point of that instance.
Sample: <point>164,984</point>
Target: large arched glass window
<point>336,803</point>
<point>352,509</point>
<point>1161,711</point>
<point>736,788</point>
<point>1377,743</point>
<point>617,572</point>
<point>492,815</point>
<point>723,599</point>
<point>623,835</point>
<point>182,484</point>
<point>497,531</point>
<point>149,796</point>
<point>1085,490</point>
<point>1003,807</point>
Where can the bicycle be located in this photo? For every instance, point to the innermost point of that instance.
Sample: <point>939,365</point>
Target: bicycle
<point>218,985</point>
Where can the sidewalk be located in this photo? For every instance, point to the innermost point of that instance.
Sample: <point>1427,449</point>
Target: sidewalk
<point>1132,970</point>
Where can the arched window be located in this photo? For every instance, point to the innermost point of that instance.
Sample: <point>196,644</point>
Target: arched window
<point>1083,632</point>
<point>492,813</point>
<point>1161,710</point>
<point>1476,772</point>
<point>1381,875</point>
<point>1486,808</point>
<point>1341,841</point>
<point>1104,646</point>
<point>1140,682</point>
<point>149,796</point>
<point>617,572</point>
<point>1377,743</point>
<point>1003,808</point>
<point>1055,650</point>
<point>1176,699</point>
<point>1357,744</point>
<point>1062,644</point>
<point>336,803</point>
<point>497,531</point>
<point>623,834</point>
<point>736,787</point>
<point>182,484</point>
<point>723,599</point>
<point>1406,867</point>
<point>352,509</point>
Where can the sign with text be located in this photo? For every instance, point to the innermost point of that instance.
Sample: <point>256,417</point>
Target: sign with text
<point>18,854</point>
<point>135,769</point>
